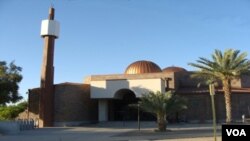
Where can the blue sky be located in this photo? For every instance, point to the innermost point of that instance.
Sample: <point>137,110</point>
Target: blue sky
<point>105,36</point>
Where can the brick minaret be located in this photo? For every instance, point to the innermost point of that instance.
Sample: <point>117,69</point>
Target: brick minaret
<point>49,31</point>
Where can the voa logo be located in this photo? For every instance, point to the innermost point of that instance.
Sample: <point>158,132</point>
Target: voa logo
<point>236,132</point>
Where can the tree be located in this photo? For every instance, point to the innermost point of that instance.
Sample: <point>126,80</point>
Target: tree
<point>161,105</point>
<point>10,77</point>
<point>12,111</point>
<point>223,67</point>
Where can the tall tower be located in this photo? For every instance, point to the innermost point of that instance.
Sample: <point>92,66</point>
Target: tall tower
<point>49,31</point>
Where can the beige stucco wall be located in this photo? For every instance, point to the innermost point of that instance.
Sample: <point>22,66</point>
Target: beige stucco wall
<point>102,110</point>
<point>108,88</point>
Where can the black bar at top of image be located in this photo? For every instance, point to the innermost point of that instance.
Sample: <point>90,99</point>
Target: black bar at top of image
<point>240,132</point>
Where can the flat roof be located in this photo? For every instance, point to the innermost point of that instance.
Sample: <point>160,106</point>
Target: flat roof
<point>131,76</point>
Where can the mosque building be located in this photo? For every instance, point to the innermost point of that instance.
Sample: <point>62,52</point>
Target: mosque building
<point>102,98</point>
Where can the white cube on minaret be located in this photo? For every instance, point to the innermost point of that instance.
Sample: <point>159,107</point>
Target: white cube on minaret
<point>50,28</point>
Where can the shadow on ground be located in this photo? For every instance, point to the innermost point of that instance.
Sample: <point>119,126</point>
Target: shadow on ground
<point>170,134</point>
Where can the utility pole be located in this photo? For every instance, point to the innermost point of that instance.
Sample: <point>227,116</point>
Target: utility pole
<point>212,93</point>
<point>138,114</point>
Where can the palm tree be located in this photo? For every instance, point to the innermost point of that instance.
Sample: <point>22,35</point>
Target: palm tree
<point>161,105</point>
<point>223,67</point>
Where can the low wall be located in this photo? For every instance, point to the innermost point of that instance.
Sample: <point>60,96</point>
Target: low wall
<point>9,127</point>
<point>14,127</point>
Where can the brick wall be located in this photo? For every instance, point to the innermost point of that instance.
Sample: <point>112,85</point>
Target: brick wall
<point>73,103</point>
<point>199,107</point>
<point>33,101</point>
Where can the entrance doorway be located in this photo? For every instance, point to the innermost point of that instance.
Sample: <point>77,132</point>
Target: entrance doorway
<point>120,108</point>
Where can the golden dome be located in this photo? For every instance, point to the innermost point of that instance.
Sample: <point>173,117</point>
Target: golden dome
<point>173,69</point>
<point>142,66</point>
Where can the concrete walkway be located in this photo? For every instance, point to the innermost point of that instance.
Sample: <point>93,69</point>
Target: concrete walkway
<point>118,131</point>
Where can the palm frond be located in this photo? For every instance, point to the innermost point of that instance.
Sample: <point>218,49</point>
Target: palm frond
<point>162,103</point>
<point>217,57</point>
<point>229,64</point>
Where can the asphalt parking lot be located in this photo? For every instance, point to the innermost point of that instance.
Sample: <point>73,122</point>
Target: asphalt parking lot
<point>118,131</point>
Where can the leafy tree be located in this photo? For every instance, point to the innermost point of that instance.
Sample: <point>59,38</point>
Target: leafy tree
<point>161,105</point>
<point>11,112</point>
<point>223,67</point>
<point>9,79</point>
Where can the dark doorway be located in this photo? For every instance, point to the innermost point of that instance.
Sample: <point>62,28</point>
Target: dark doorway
<point>121,109</point>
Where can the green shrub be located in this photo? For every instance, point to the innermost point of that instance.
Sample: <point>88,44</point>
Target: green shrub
<point>11,112</point>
